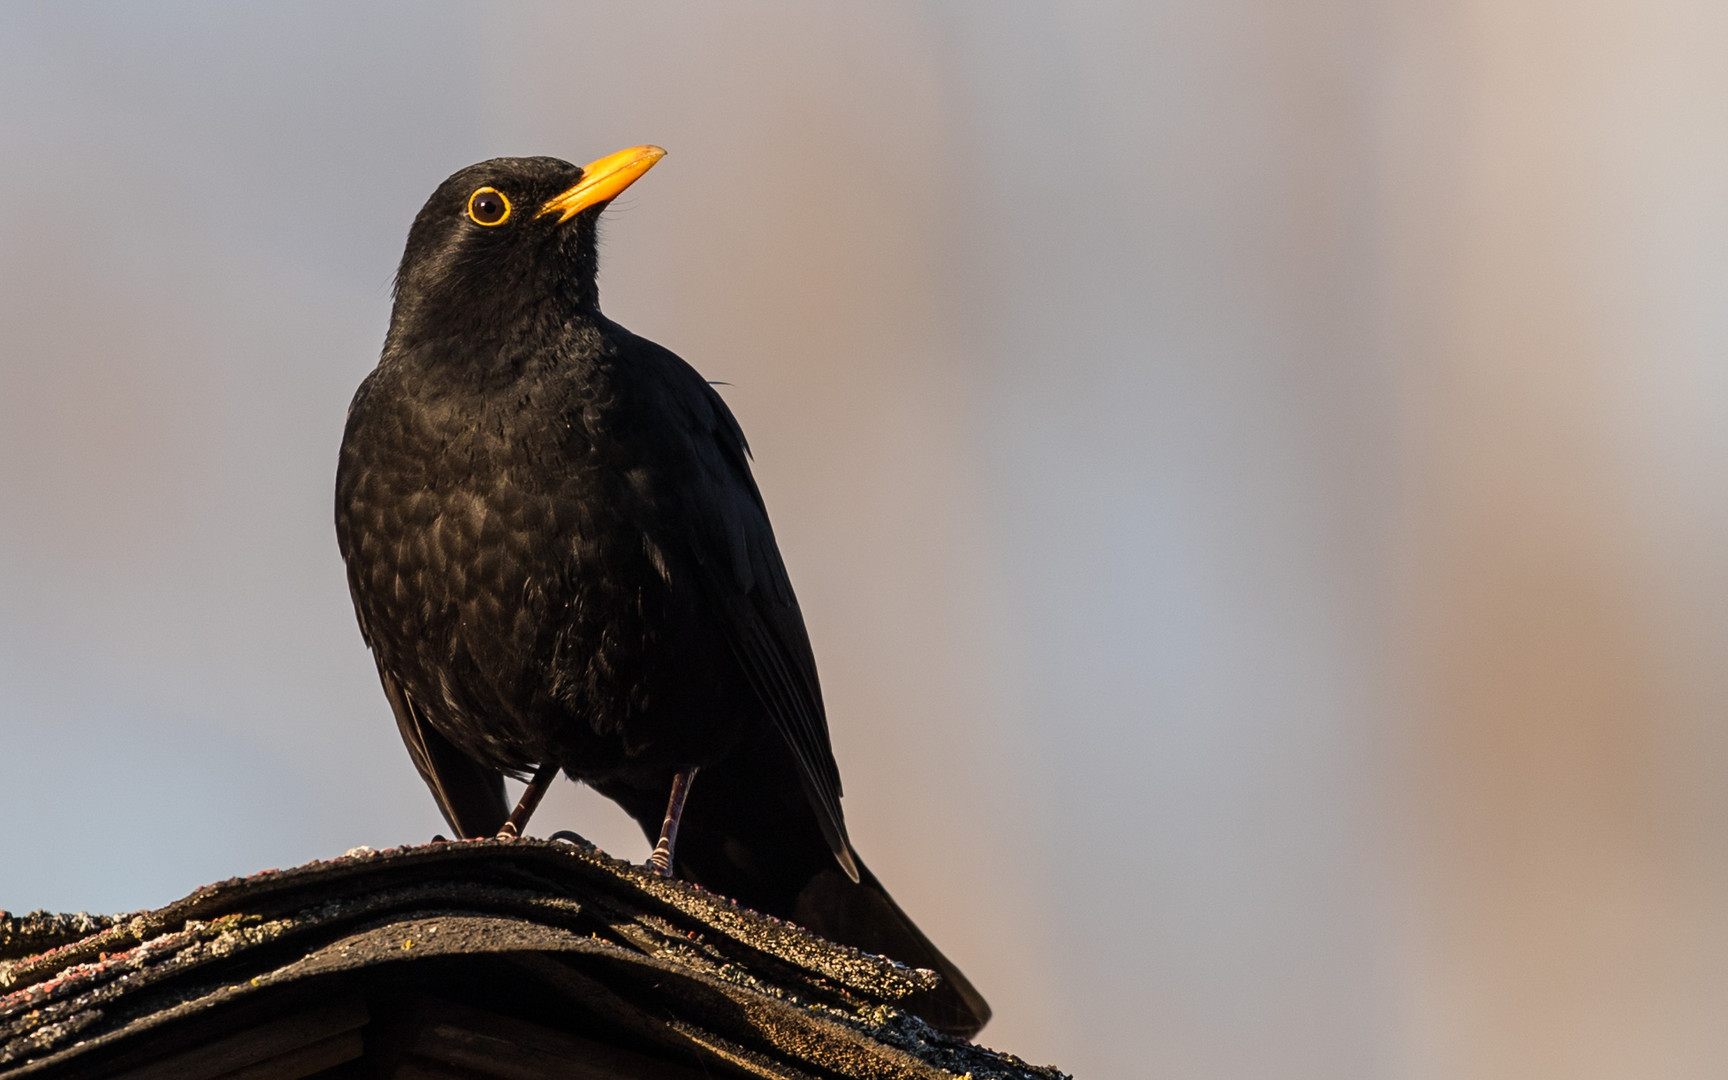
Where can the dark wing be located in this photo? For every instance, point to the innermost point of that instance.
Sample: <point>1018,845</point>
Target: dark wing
<point>470,795</point>
<point>745,579</point>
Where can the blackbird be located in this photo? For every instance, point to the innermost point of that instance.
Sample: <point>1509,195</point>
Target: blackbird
<point>561,562</point>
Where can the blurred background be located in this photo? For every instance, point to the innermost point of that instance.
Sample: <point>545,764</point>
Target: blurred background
<point>1256,475</point>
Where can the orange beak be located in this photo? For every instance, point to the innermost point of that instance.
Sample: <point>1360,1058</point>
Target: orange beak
<point>602,180</point>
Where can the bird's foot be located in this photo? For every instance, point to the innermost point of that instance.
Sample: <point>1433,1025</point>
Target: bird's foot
<point>531,796</point>
<point>661,861</point>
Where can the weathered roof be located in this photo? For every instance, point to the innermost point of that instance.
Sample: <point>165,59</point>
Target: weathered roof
<point>480,958</point>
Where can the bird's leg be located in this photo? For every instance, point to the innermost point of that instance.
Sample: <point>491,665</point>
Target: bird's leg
<point>531,796</point>
<point>661,860</point>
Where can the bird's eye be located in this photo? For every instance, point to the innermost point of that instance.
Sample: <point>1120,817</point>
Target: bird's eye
<point>488,206</point>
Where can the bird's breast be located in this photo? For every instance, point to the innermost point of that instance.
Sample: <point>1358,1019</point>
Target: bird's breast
<point>502,556</point>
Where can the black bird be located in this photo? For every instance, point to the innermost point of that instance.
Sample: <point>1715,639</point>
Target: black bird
<point>560,561</point>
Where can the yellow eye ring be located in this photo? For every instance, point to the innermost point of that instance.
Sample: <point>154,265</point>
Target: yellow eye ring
<point>488,206</point>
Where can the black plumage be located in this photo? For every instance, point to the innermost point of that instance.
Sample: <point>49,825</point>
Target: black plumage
<point>559,559</point>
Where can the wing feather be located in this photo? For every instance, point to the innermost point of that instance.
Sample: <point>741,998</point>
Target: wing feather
<point>470,795</point>
<point>764,625</point>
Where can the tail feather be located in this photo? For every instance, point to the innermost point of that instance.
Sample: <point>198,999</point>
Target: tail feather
<point>749,832</point>
<point>863,915</point>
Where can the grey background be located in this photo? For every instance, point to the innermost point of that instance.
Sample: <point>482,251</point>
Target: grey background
<point>1254,474</point>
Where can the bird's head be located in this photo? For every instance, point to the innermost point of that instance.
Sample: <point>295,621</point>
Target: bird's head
<point>504,238</point>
